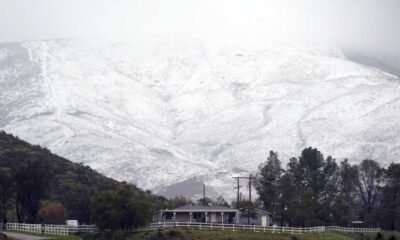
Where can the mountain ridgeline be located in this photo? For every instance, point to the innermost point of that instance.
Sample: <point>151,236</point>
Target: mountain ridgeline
<point>36,185</point>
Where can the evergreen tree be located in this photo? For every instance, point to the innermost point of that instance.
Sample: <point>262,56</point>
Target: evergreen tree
<point>390,208</point>
<point>330,179</point>
<point>267,181</point>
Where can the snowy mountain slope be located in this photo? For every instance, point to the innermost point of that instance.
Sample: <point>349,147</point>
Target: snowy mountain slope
<point>162,116</point>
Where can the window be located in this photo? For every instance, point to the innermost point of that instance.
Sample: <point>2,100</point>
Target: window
<point>169,215</point>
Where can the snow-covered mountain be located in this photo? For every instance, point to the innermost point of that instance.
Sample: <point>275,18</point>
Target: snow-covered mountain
<point>169,117</point>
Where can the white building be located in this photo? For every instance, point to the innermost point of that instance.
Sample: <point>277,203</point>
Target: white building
<point>213,214</point>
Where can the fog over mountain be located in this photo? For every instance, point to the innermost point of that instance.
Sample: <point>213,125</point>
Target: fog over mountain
<point>169,94</point>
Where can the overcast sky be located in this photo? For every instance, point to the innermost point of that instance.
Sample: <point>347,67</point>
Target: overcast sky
<point>372,24</point>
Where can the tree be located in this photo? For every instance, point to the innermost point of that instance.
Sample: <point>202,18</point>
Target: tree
<point>287,199</point>
<point>390,207</point>
<point>178,202</point>
<point>311,164</point>
<point>53,213</point>
<point>307,175</point>
<point>267,181</point>
<point>220,201</point>
<point>6,192</point>
<point>330,178</point>
<point>32,182</point>
<point>103,210</point>
<point>77,201</point>
<point>205,201</point>
<point>121,210</point>
<point>344,205</point>
<point>370,177</point>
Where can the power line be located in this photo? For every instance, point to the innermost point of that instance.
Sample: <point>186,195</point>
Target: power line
<point>249,178</point>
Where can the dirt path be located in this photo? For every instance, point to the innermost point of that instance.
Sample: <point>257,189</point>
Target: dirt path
<point>20,236</point>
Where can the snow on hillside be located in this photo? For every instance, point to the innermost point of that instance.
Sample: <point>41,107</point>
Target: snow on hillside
<point>169,115</point>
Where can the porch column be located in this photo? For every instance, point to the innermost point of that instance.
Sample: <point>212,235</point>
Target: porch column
<point>206,217</point>
<point>174,216</point>
<point>161,216</point>
<point>190,216</point>
<point>222,217</point>
<point>237,217</point>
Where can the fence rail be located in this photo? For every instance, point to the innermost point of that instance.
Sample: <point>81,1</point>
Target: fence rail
<point>257,228</point>
<point>49,228</point>
<point>67,230</point>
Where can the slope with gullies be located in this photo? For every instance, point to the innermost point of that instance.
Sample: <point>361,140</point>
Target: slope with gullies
<point>170,114</point>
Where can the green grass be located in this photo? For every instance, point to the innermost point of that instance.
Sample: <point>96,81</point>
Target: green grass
<point>70,237</point>
<point>192,234</point>
<point>189,234</point>
<point>181,234</point>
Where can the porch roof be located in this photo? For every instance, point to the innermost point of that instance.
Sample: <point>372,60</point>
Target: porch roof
<point>200,208</point>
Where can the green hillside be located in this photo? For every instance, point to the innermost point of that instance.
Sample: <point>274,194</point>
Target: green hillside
<point>68,184</point>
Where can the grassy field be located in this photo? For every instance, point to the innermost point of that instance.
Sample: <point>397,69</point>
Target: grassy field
<point>191,234</point>
<point>183,234</point>
<point>71,237</point>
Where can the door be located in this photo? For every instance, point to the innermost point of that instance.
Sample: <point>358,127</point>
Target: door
<point>264,221</point>
<point>213,217</point>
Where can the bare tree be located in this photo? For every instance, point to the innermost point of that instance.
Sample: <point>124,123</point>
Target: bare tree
<point>370,177</point>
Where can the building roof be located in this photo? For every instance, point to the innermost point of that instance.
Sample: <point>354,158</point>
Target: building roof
<point>257,209</point>
<point>200,208</point>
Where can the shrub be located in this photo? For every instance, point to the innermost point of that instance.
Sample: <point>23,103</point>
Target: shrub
<point>118,235</point>
<point>173,233</point>
<point>159,236</point>
<point>89,235</point>
<point>53,212</point>
<point>378,236</point>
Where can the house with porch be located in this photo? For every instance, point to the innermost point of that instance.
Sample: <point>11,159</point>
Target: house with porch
<point>214,214</point>
<point>198,213</point>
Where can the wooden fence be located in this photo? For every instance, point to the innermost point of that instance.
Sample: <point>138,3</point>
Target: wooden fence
<point>49,229</point>
<point>257,228</point>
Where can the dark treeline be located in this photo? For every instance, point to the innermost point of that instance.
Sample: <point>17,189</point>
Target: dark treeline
<point>312,190</point>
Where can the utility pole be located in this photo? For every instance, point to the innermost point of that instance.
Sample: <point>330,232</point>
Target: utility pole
<point>204,194</point>
<point>238,190</point>
<point>250,178</point>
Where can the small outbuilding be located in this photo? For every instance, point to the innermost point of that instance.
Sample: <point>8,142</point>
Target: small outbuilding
<point>255,216</point>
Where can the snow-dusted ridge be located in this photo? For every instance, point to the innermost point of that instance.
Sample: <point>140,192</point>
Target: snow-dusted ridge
<point>161,116</point>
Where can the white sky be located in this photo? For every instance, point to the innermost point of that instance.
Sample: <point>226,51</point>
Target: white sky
<point>372,24</point>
